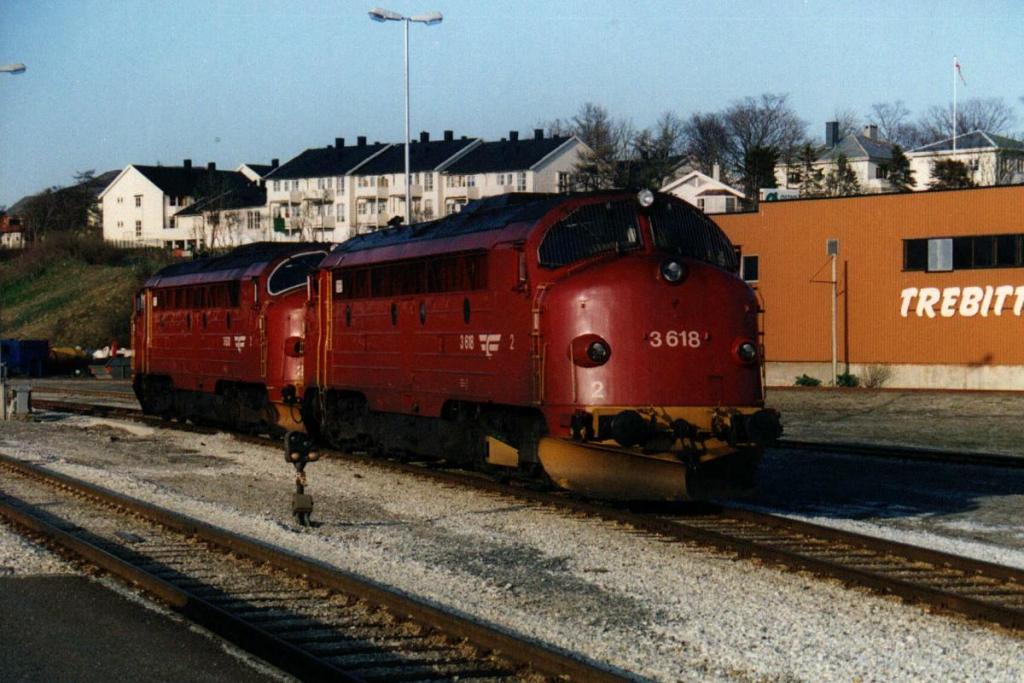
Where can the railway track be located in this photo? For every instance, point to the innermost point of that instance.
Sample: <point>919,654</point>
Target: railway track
<point>308,619</point>
<point>978,590</point>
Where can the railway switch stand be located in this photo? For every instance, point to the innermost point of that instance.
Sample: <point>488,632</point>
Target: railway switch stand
<point>299,449</point>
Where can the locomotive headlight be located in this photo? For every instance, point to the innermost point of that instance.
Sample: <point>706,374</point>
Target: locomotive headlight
<point>598,351</point>
<point>589,350</point>
<point>672,271</point>
<point>746,352</point>
<point>645,197</point>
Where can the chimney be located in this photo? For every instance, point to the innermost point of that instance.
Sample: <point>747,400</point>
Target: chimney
<point>274,163</point>
<point>424,136</point>
<point>449,136</point>
<point>831,134</point>
<point>339,143</point>
<point>538,133</point>
<point>716,171</point>
<point>513,136</point>
<point>187,163</point>
<point>871,132</point>
<point>211,166</point>
<point>361,141</point>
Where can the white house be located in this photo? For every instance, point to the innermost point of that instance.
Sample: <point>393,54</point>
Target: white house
<point>140,205</point>
<point>707,193</point>
<point>991,159</point>
<point>231,218</point>
<point>536,164</point>
<point>867,154</point>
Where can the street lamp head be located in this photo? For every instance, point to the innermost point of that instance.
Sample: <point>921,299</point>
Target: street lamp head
<point>382,15</point>
<point>429,18</point>
<point>13,68</point>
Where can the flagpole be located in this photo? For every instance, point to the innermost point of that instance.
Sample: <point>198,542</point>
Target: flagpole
<point>955,60</point>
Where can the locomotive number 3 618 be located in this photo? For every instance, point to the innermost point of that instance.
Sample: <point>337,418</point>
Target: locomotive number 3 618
<point>674,338</point>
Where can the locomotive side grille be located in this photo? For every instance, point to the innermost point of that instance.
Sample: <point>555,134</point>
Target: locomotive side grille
<point>685,232</point>
<point>591,230</point>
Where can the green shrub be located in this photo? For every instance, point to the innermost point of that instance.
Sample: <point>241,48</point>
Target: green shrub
<point>807,381</point>
<point>847,380</point>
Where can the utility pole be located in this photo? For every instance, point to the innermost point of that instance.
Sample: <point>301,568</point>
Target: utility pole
<point>832,247</point>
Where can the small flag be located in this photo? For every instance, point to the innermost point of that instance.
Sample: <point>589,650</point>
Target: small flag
<point>956,65</point>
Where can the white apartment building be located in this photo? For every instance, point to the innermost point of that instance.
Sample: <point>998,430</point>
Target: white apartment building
<point>536,164</point>
<point>991,159</point>
<point>379,184</point>
<point>140,205</point>
<point>311,197</point>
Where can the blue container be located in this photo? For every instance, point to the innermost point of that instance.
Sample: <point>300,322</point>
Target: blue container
<point>24,357</point>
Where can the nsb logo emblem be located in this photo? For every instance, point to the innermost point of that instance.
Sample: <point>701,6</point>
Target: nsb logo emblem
<point>490,343</point>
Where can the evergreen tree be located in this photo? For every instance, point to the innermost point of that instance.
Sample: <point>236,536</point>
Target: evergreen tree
<point>950,174</point>
<point>810,179</point>
<point>759,169</point>
<point>898,171</point>
<point>842,181</point>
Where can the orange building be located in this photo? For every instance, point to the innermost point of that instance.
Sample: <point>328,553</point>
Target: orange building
<point>930,286</point>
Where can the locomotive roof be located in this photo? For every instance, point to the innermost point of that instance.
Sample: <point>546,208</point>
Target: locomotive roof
<point>479,225</point>
<point>249,260</point>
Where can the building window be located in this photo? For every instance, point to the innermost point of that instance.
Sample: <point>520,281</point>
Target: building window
<point>700,203</point>
<point>471,181</point>
<point>428,209</point>
<point>881,172</point>
<point>138,200</point>
<point>564,182</point>
<point>749,268</point>
<point>521,182</point>
<point>730,204</point>
<point>172,201</point>
<point>341,183</point>
<point>428,181</point>
<point>170,223</point>
<point>341,212</point>
<point>964,253</point>
<point>138,229</point>
<point>277,185</point>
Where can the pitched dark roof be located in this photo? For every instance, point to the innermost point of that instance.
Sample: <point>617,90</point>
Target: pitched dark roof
<point>423,156</point>
<point>858,146</point>
<point>240,198</point>
<point>320,162</point>
<point>100,182</point>
<point>262,169</point>
<point>196,181</point>
<point>974,140</point>
<point>506,155</point>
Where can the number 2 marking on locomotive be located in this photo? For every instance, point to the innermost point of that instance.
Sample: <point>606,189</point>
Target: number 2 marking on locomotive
<point>597,390</point>
<point>673,338</point>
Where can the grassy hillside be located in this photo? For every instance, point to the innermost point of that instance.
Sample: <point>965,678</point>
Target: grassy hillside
<point>72,291</point>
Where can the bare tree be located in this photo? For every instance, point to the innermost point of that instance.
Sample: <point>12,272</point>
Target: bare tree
<point>608,140</point>
<point>849,122</point>
<point>991,115</point>
<point>755,126</point>
<point>654,152</point>
<point>704,140</point>
<point>892,119</point>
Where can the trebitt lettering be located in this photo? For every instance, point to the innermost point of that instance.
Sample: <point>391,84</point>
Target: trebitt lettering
<point>931,302</point>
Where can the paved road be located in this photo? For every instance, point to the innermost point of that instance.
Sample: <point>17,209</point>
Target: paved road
<point>70,628</point>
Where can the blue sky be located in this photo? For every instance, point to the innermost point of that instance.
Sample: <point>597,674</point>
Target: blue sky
<point>115,82</point>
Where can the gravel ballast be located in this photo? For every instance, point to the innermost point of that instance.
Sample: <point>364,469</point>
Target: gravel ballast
<point>664,611</point>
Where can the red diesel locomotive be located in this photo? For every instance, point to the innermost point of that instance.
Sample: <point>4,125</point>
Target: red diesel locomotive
<point>603,338</point>
<point>220,339</point>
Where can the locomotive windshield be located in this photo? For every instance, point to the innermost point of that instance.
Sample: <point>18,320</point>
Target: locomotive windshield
<point>683,231</point>
<point>293,272</point>
<point>591,230</point>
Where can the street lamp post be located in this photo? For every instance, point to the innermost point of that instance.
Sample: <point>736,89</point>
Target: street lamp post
<point>431,18</point>
<point>8,69</point>
<point>12,68</point>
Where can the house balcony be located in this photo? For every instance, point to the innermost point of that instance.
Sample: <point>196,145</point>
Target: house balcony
<point>399,191</point>
<point>380,192</point>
